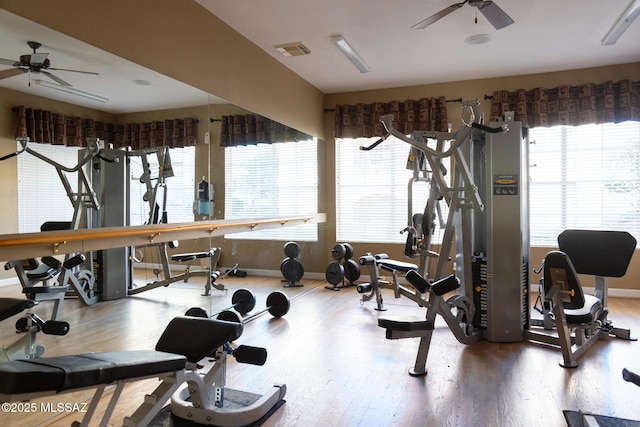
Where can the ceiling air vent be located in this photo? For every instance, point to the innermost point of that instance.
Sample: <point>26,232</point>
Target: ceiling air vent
<point>293,49</point>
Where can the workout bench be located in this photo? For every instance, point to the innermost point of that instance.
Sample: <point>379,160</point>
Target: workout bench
<point>210,273</point>
<point>25,347</point>
<point>184,343</point>
<point>372,262</point>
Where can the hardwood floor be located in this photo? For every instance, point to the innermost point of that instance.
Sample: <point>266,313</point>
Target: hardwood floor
<point>341,371</point>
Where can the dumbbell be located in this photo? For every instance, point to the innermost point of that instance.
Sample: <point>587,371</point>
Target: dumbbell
<point>242,300</point>
<point>278,305</point>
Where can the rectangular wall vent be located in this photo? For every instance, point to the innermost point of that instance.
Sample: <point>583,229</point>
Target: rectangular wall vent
<point>293,49</point>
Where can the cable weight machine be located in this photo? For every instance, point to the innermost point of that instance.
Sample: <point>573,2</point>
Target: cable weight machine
<point>486,231</point>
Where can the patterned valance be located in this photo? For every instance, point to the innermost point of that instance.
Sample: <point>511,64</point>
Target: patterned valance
<point>248,129</point>
<point>363,120</point>
<point>51,128</point>
<point>607,102</point>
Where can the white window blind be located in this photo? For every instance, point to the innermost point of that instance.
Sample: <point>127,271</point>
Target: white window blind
<point>41,195</point>
<point>271,180</point>
<point>585,177</point>
<point>180,187</point>
<point>372,191</point>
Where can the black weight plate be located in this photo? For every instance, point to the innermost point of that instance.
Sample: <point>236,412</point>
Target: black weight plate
<point>229,316</point>
<point>334,272</point>
<point>197,312</point>
<point>348,250</point>
<point>292,270</point>
<point>278,303</point>
<point>291,249</point>
<point>338,251</point>
<point>351,270</point>
<point>243,301</point>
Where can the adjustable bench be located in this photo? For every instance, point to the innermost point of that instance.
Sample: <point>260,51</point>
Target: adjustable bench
<point>185,341</point>
<point>210,273</point>
<point>34,277</point>
<point>372,262</point>
<point>25,347</point>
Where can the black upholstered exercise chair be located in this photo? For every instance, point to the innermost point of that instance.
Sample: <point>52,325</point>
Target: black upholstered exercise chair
<point>573,310</point>
<point>581,319</point>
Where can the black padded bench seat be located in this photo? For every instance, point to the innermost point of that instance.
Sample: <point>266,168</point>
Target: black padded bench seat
<point>587,314</point>
<point>190,256</point>
<point>12,306</point>
<point>393,265</point>
<point>62,373</point>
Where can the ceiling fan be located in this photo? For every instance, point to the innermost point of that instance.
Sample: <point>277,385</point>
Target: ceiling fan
<point>35,63</point>
<point>494,14</point>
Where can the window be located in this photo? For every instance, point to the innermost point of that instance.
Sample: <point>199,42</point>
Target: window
<point>584,177</point>
<point>271,180</point>
<point>180,187</point>
<point>41,195</point>
<point>372,191</point>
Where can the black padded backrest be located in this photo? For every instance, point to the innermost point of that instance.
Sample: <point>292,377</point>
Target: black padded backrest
<point>598,253</point>
<point>197,337</point>
<point>558,270</point>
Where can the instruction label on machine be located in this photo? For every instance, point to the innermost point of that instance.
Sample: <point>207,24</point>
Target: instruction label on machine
<point>505,185</point>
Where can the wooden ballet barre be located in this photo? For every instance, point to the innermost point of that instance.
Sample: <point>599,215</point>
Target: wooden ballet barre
<point>46,243</point>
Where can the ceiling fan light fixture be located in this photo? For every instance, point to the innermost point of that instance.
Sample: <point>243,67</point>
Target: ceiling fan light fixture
<point>478,39</point>
<point>622,24</point>
<point>71,90</point>
<point>350,53</point>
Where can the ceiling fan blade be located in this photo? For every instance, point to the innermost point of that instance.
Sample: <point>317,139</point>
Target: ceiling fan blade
<point>495,15</point>
<point>38,58</point>
<point>5,74</point>
<point>74,71</point>
<point>433,18</point>
<point>57,79</point>
<point>8,62</point>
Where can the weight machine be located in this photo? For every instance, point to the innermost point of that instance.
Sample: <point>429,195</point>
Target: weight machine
<point>486,225</point>
<point>117,264</point>
<point>74,276</point>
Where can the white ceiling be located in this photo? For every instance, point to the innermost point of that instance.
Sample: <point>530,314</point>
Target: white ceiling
<point>548,35</point>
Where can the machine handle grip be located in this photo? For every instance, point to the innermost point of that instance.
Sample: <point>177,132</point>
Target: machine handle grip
<point>503,128</point>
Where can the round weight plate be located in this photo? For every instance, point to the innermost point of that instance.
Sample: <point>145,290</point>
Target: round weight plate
<point>348,250</point>
<point>243,301</point>
<point>278,303</point>
<point>334,273</point>
<point>292,270</point>
<point>351,270</point>
<point>197,312</point>
<point>338,251</point>
<point>291,249</point>
<point>229,316</point>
